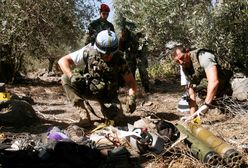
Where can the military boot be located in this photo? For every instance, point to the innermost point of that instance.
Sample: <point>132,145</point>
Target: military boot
<point>108,110</point>
<point>84,115</point>
<point>113,111</point>
<point>119,118</point>
<point>84,119</point>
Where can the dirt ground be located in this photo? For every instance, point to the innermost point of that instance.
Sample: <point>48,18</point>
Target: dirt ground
<point>51,105</point>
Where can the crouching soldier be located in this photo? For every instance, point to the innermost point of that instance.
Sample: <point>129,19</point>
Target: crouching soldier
<point>201,71</point>
<point>94,73</point>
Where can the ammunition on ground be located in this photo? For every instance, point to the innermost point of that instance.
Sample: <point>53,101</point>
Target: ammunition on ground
<point>231,156</point>
<point>199,149</point>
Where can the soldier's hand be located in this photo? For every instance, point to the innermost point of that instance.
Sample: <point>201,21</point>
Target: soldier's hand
<point>201,111</point>
<point>77,79</point>
<point>131,104</point>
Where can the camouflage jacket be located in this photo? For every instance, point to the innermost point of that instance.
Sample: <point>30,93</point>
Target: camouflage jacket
<point>101,76</point>
<point>97,26</point>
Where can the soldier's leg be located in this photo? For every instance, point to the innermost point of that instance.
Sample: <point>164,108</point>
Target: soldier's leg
<point>70,92</point>
<point>133,67</point>
<point>112,109</point>
<point>143,74</point>
<point>74,96</point>
<point>131,61</point>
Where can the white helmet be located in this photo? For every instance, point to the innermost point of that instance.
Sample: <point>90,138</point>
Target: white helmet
<point>106,42</point>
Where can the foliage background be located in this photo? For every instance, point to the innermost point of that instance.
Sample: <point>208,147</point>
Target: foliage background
<point>33,32</point>
<point>42,30</point>
<point>221,27</point>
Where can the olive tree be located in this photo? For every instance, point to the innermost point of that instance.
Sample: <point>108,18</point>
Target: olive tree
<point>41,29</point>
<point>221,27</point>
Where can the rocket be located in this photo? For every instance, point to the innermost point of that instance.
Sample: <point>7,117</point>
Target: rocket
<point>199,149</point>
<point>230,155</point>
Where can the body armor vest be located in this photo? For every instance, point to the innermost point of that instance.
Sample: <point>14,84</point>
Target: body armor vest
<point>102,77</point>
<point>195,73</point>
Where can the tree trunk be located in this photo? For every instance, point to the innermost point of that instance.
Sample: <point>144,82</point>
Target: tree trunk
<point>50,64</point>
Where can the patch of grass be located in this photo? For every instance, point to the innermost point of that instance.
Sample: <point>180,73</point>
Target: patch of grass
<point>33,64</point>
<point>161,70</point>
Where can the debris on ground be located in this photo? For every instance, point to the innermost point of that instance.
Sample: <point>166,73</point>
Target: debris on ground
<point>148,137</point>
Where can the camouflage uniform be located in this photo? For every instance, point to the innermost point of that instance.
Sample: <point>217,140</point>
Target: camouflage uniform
<point>101,81</point>
<point>142,62</point>
<point>95,27</point>
<point>135,49</point>
<point>128,46</point>
<point>196,75</point>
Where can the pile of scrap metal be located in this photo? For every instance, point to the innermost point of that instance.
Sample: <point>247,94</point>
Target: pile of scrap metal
<point>110,146</point>
<point>55,148</point>
<point>143,136</point>
<point>208,148</point>
<point>105,147</point>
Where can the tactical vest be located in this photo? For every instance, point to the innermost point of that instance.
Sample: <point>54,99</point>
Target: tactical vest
<point>195,73</point>
<point>102,77</point>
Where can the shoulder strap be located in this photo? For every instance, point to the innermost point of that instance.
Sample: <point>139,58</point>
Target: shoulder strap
<point>207,50</point>
<point>85,57</point>
<point>203,50</point>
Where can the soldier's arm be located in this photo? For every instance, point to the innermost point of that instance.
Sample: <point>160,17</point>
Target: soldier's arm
<point>65,64</point>
<point>112,27</point>
<point>192,102</point>
<point>91,28</point>
<point>209,63</point>
<point>189,88</point>
<point>128,77</point>
<point>131,83</point>
<point>213,82</point>
<point>91,33</point>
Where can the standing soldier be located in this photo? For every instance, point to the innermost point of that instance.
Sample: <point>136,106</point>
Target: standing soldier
<point>142,62</point>
<point>128,46</point>
<point>99,24</point>
<point>134,47</point>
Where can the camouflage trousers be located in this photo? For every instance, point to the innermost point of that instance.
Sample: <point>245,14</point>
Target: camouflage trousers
<point>136,61</point>
<point>109,102</point>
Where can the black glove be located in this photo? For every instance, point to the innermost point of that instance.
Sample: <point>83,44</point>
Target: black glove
<point>77,80</point>
<point>131,104</point>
